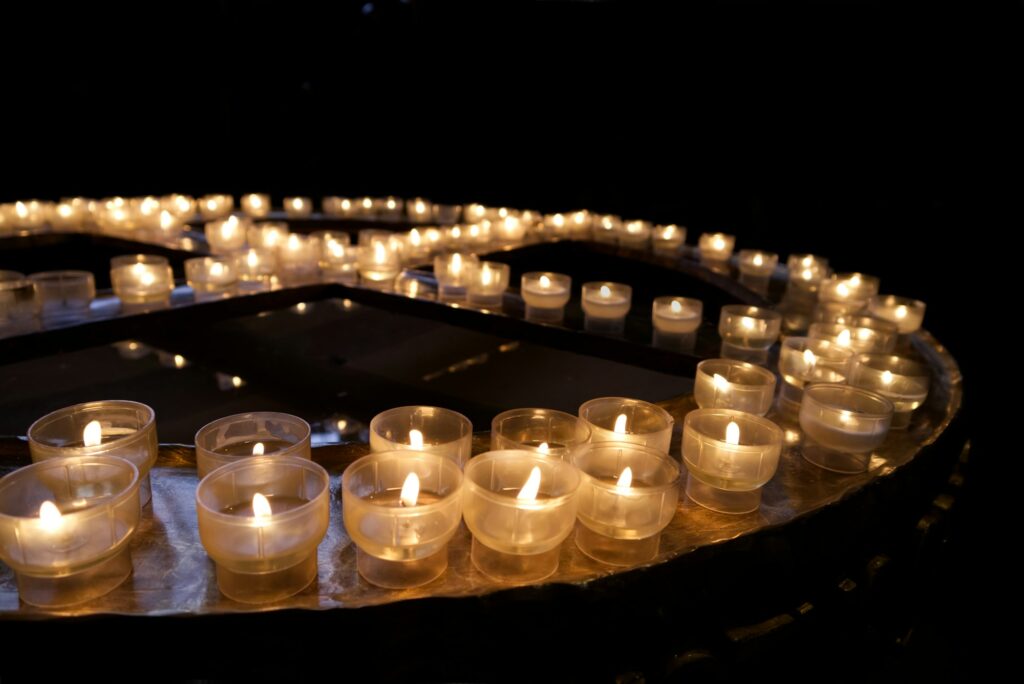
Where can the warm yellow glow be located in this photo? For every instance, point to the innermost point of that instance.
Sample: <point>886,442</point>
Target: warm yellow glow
<point>845,417</point>
<point>179,361</point>
<point>843,339</point>
<point>792,437</point>
<point>486,275</point>
<point>414,238</point>
<point>620,424</point>
<point>64,210</point>
<point>301,307</point>
<point>298,203</point>
<point>415,439</point>
<point>149,206</point>
<point>807,274</point>
<point>900,312</point>
<point>758,259</point>
<point>421,208</point>
<point>391,204</point>
<point>606,292</point>
<point>676,307</point>
<point>258,449</point>
<point>92,435</point>
<point>502,212</point>
<point>474,230</point>
<point>887,377</point>
<point>133,346</point>
<point>50,517</point>
<point>720,382</point>
<point>182,203</point>
<point>864,333</point>
<point>217,269</point>
<point>336,248</point>
<point>380,254</point>
<point>167,220</point>
<point>294,242</point>
<point>252,258</point>
<point>456,233</point>
<point>545,282</point>
<point>237,381</point>
<point>634,227</point>
<point>255,201</point>
<point>260,509</point>
<point>718,243</point>
<point>456,265</point>
<point>21,210</point>
<point>342,424</point>
<point>346,205</point>
<point>410,490</point>
<point>668,232</point>
<point>809,358</point>
<point>532,487</point>
<point>543,448</point>
<point>747,323</point>
<point>229,227</point>
<point>854,280</point>
<point>579,217</point>
<point>367,203</point>
<point>842,290</point>
<point>558,220</point>
<point>625,480</point>
<point>732,433</point>
<point>807,261</point>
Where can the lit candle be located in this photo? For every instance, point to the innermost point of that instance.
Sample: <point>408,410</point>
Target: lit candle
<point>555,226</point>
<point>635,234</point>
<point>255,268</point>
<point>211,277</point>
<point>261,433</point>
<point>907,314</point>
<point>427,428</point>
<point>667,240</point>
<point>141,278</point>
<point>510,230</point>
<point>391,209</point>
<point>726,383</point>
<point>749,327</point>
<point>617,419</point>
<point>606,229</point>
<point>338,207</point>
<point>804,361</point>
<point>545,294</point>
<point>226,236</point>
<point>546,431</point>
<point>879,338</point>
<point>64,295</point>
<point>716,247</point>
<point>267,234</point>
<point>853,289</point>
<point>606,303</point>
<point>298,260</point>
<point>475,212</point>
<point>806,268</point>
<point>419,210</point>
<point>256,205</point>
<point>377,262</point>
<point>842,425</point>
<point>181,206</point>
<point>756,267</point>
<point>902,381</point>
<point>454,272</point>
<point>487,284</point>
<point>337,257</point>
<point>215,206</point>
<point>676,315</point>
<point>580,223</point>
<point>298,207</point>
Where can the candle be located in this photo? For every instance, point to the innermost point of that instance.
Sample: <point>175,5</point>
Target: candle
<point>635,234</point>
<point>520,506</point>
<point>169,228</point>
<point>907,314</point>
<point>842,425</point>
<point>261,520</point>
<point>419,210</point>
<point>667,240</point>
<point>754,263</point>
<point>65,216</point>
<point>474,212</point>
<point>545,431</point>
<point>126,429</point>
<point>606,229</point>
<point>267,234</point>
<point>298,207</point>
<point>17,299</point>
<point>65,524</point>
<point>879,339</point>
<point>211,277</point>
<point>255,268</point>
<point>902,381</point>
<point>378,262</point>
<point>580,224</point>
<point>545,294</point>
<point>454,273</point>
<point>423,428</point>
<point>487,284</point>
<point>390,209</point>
<point>854,289</point>
<point>805,360</point>
<point>337,257</point>
<point>807,267</point>
<point>730,456</point>
<point>337,207</point>
<point>555,226</point>
<point>215,206</point>
<point>606,303</point>
<point>256,205</point>
<point>617,419</point>
<point>243,435</point>
<point>676,315</point>
<point>181,206</point>
<point>226,236</point>
<point>627,496</point>
<point>725,383</point>
<point>298,260</point>
<point>749,327</point>
<point>510,230</point>
<point>716,246</point>
<point>415,247</point>
<point>401,508</point>
<point>447,214</point>
<point>64,295</point>
<point>141,278</point>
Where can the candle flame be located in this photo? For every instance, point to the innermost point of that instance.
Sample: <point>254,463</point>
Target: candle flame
<point>620,424</point>
<point>92,435</point>
<point>367,203</point>
<point>21,209</point>
<point>252,258</point>
<point>346,205</point>
<point>236,381</point>
<point>414,238</point>
<point>807,261</point>
<point>843,339</point>
<point>179,361</point>
<point>456,265</point>
<point>258,449</point>
<point>545,282</point>
<point>294,242</point>
<point>845,417</point>
<point>297,202</point>
<point>558,220</point>
<point>336,248</point>
<point>228,227</point>
<point>842,290</point>
<point>532,486</point>
<point>747,323</point>
<point>410,490</point>
<point>255,201</point>
<point>606,292</point>
<point>50,516</point>
<point>543,448</point>
<point>758,259</point>
<point>901,311</point>
<point>379,252</point>
<point>391,204</point>
<point>718,243</point>
<point>456,233</point>
<point>342,424</point>
<point>579,217</point>
<point>807,274</point>
<point>64,210</point>
<point>854,280</point>
<point>486,275</point>
<point>260,509</point>
<point>887,377</point>
<point>720,382</point>
<point>809,358</point>
<point>625,480</point>
<point>415,439</point>
<point>676,307</point>
<point>864,333</point>
<point>420,207</point>
<point>732,433</point>
<point>167,220</point>
<point>217,269</point>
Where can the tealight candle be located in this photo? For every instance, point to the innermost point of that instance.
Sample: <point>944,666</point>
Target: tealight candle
<point>454,272</point>
<point>126,429</point>
<point>447,214</point>
<point>487,284</point>
<point>169,228</point>
<point>243,435</point>
<point>337,257</point>
<point>580,223</point>
<point>606,304</point>
<point>141,278</point>
<point>478,236</point>
<point>635,234</point>
<point>65,216</point>
<point>419,210</point>
<point>378,264</point>
<point>338,207</point>
<point>730,456</point>
<point>879,339</point>
<point>298,207</point>
<point>255,268</point>
<point>756,268</point>
<point>215,206</point>
<point>606,229</point>
<point>520,506</point>
<point>749,327</point>
<point>716,246</point>
<point>182,206</point>
<point>267,234</point>
<point>17,298</point>
<point>667,240</point>
<point>366,208</point>
<point>907,314</point>
<point>211,277</point>
<point>390,209</point>
<point>64,294</point>
<point>677,315</point>
<point>725,383</point>
<point>842,425</point>
<point>412,286</point>
<point>545,294</point>
<point>225,236</point>
<point>401,508</point>
<point>474,212</point>
<point>256,205</point>
<point>546,431</point>
<point>261,520</point>
<point>807,267</point>
<point>902,381</point>
<point>416,248</point>
<point>628,495</point>
<point>617,419</point>
<point>298,260</point>
<point>854,289</point>
<point>510,230</point>
<point>65,524</point>
<point>805,360</point>
<point>423,428</point>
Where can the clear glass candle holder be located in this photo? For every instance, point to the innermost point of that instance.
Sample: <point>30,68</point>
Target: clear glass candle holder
<point>64,295</point>
<point>378,264</point>
<point>510,230</point>
<point>878,339</point>
<point>628,495</point>
<point>618,419</point>
<point>419,210</point>
<point>141,278</point>
<point>338,259</point>
<point>487,284</point>
<point>554,227</point>
<point>757,264</point>
<point>606,229</point>
<point>338,207</point>
<point>546,431</point>
<point>215,206</point>
<point>182,206</point>
<point>677,315</point>
<point>401,509</point>
<point>900,380</point>
<point>267,234</point>
<point>423,428</point>
<point>798,263</point>
<point>851,288</point>
<point>261,520</point>
<point>256,204</point>
<point>606,305</point>
<point>17,298</point>
<point>226,236</point>
<point>255,269</point>
<point>298,207</point>
<point>390,209</point>
<point>447,214</point>
<point>545,294</point>
<point>211,277</point>
<point>668,240</point>
<point>243,435</point>
<point>415,247</point>
<point>519,506</point>
<point>298,260</point>
<point>804,361</point>
<point>65,524</point>
<point>725,383</point>
<point>716,246</point>
<point>126,429</point>
<point>842,425</point>
<point>730,456</point>
<point>454,272</point>
<point>580,224</point>
<point>749,327</point>
<point>905,313</point>
<point>635,234</point>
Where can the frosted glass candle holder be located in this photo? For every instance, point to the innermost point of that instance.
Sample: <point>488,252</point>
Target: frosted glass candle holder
<point>668,240</point>
<point>126,429</point>
<point>243,435</point>
<point>749,327</point>
<point>546,431</point>
<point>606,305</point>
<point>842,425</point>
<point>756,264</point>
<point>804,361</point>
<point>256,205</point>
<point>621,514</point>
<point>618,419</point>
<point>338,259</point>
<point>419,211</point>
<point>261,520</point>
<point>17,297</point>
<point>141,278</point>
<point>879,339</point>
<point>487,284</point>
<point>520,506</point>
<point>796,264</point>
<point>65,524</point>
<point>606,229</point>
<point>902,381</point>
<point>226,236</point>
<point>454,272</point>
<point>545,294</point>
<point>298,207</point>
<point>255,269</point>
<point>215,206</point>
<point>730,456</point>
<point>211,277</point>
<point>415,247</point>
<point>635,235</point>
<point>854,289</point>
<point>63,294</point>
<point>510,230</point>
<point>267,235</point>
<point>725,383</point>
<point>366,207</point>
<point>716,247</point>
<point>378,264</point>
<point>338,207</point>
<point>677,315</point>
<point>423,428</point>
<point>390,209</point>
<point>182,206</point>
<point>298,260</point>
<point>401,509</point>
<point>905,313</point>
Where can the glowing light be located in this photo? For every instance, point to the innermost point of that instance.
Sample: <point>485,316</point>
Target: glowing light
<point>676,307</point>
<point>620,424</point>
<point>456,265</point>
<point>258,449</point>
<point>758,259</point>
<point>294,242</point>
<point>252,258</point>
<point>217,269</point>
<point>545,282</point>
<point>900,312</point>
<point>606,292</point>
<point>558,220</point>
<point>486,275</point>
<point>415,439</point>
<point>720,382</point>
<point>92,435</point>
<point>237,381</point>
<point>732,433</point>
<point>342,424</point>
<point>887,377</point>
<point>367,203</point>
<point>261,511</point>
<point>543,448</point>
<point>718,243</point>
<point>843,339</point>
<point>179,361</point>
<point>410,490</point>
<point>532,487</point>
<point>625,480</point>
<point>50,517</point>
<point>809,358</point>
<point>842,290</point>
<point>747,323</point>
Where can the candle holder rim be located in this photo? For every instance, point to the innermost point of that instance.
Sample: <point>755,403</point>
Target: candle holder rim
<point>391,411</point>
<point>811,393</point>
<point>661,456</point>
<point>778,435</point>
<point>919,370</point>
<point>252,461</point>
<point>148,259</point>
<point>248,415</point>
<point>668,299</point>
<point>764,374</point>
<point>793,343</point>
<point>70,273</point>
<point>611,284</point>
<point>397,454</point>
<point>11,479</point>
<point>507,454</point>
<point>896,300</point>
<point>531,411</point>
<point>748,310</point>
<point>90,405</point>
<point>629,400</point>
